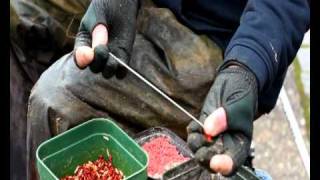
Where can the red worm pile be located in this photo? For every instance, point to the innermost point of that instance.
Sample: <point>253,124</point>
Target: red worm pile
<point>97,170</point>
<point>162,156</point>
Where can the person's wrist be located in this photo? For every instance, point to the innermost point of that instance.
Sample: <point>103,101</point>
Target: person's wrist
<point>234,64</point>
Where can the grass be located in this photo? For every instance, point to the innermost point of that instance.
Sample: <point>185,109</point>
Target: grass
<point>304,100</point>
<point>305,46</point>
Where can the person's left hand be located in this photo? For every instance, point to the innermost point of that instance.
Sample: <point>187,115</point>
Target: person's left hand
<point>228,115</point>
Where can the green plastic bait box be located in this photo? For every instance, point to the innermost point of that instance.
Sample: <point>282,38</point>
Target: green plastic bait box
<point>60,155</point>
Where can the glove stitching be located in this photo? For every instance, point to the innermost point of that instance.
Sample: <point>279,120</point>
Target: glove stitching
<point>243,72</point>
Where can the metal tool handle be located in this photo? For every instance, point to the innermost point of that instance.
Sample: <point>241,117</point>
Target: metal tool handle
<point>156,89</point>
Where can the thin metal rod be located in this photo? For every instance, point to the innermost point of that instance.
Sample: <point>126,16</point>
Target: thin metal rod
<point>156,89</point>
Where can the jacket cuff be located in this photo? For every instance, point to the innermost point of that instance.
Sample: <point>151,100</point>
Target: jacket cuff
<point>252,60</point>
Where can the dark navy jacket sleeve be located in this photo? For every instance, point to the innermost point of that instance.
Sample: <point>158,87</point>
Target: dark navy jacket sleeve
<point>267,40</point>
<point>264,35</point>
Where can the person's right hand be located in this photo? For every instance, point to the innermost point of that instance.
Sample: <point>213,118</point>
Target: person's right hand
<point>227,115</point>
<point>107,26</point>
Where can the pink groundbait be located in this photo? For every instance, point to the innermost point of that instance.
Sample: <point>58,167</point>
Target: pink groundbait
<point>162,156</point>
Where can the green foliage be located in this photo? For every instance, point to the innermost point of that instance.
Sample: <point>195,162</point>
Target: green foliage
<point>304,99</point>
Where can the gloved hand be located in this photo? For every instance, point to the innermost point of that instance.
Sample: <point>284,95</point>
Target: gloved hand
<point>228,115</point>
<point>108,25</point>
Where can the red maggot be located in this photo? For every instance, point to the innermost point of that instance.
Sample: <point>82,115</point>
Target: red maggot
<point>100,169</point>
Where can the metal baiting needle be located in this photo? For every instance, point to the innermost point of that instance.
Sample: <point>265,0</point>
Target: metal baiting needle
<point>156,89</point>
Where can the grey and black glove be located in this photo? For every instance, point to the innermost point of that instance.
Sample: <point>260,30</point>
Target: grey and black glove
<point>235,89</point>
<point>119,16</point>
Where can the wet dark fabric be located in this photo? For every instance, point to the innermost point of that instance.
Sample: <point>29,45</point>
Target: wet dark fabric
<point>175,59</point>
<point>264,35</point>
<point>20,87</point>
<point>40,32</point>
<point>60,18</point>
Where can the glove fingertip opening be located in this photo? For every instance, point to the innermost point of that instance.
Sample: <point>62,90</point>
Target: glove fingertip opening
<point>75,61</point>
